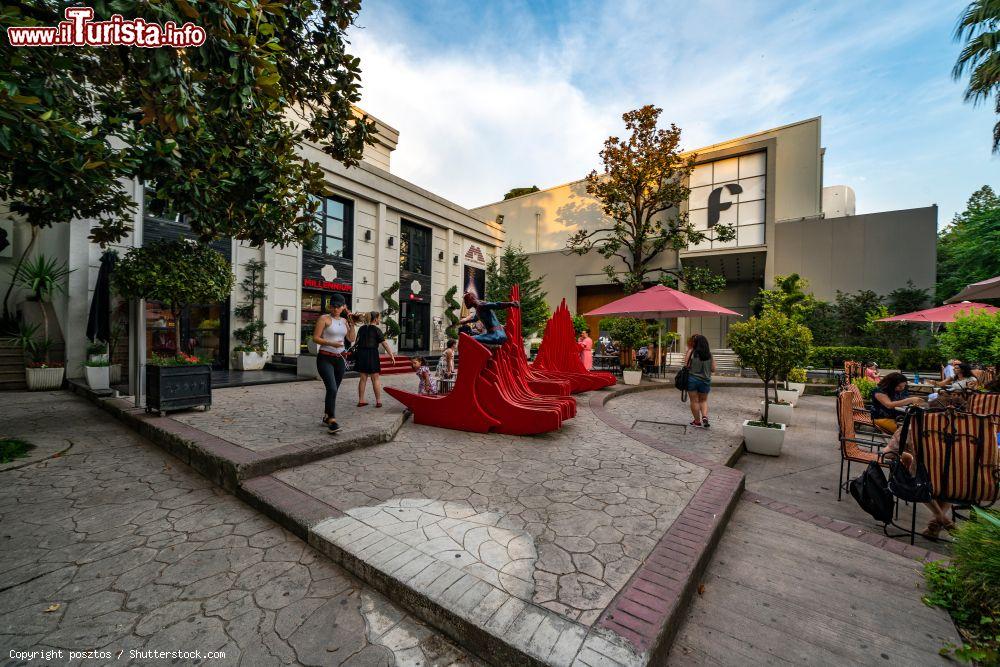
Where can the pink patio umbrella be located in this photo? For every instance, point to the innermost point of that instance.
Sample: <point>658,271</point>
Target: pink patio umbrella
<point>942,314</point>
<point>984,289</point>
<point>660,302</point>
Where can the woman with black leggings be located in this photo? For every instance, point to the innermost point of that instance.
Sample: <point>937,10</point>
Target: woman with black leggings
<point>330,333</point>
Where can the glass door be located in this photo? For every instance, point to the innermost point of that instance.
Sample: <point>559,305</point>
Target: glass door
<point>414,324</point>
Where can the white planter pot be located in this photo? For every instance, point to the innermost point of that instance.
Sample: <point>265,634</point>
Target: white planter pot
<point>115,373</point>
<point>799,387</point>
<point>98,377</point>
<point>788,395</point>
<point>42,379</point>
<point>778,412</point>
<point>97,357</point>
<point>248,361</point>
<point>762,439</point>
<point>632,377</point>
<point>305,366</point>
<point>312,346</point>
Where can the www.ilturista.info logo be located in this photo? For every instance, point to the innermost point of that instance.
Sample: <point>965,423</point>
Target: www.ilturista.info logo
<point>80,30</point>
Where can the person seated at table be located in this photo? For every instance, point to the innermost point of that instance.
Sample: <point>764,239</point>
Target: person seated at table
<point>871,372</point>
<point>891,393</point>
<point>964,379</point>
<point>948,372</point>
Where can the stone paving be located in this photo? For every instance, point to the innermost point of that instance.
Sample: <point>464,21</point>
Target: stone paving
<point>576,511</point>
<point>115,545</point>
<point>267,417</point>
<point>660,412</point>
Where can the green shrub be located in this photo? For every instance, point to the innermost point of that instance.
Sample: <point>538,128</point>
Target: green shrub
<point>973,338</point>
<point>834,356</point>
<point>865,386</point>
<point>919,359</point>
<point>797,375</point>
<point>969,588</point>
<point>629,332</point>
<point>13,448</point>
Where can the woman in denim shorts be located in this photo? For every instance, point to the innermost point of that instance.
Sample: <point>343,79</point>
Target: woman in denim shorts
<point>701,365</point>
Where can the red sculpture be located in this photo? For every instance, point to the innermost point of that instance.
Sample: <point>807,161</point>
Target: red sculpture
<point>495,391</point>
<point>559,356</point>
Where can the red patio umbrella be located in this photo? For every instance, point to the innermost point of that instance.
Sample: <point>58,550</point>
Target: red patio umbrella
<point>942,314</point>
<point>660,302</point>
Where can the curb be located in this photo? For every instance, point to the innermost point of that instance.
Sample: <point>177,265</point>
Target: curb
<point>649,610</point>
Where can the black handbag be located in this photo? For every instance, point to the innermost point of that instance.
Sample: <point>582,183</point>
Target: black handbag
<point>681,381</point>
<point>915,487</point>
<point>871,490</point>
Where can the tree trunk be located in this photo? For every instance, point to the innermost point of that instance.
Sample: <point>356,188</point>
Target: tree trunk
<point>767,402</point>
<point>177,329</point>
<point>17,269</point>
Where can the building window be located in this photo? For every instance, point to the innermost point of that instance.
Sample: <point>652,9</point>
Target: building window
<point>732,192</point>
<point>414,249</point>
<point>334,227</point>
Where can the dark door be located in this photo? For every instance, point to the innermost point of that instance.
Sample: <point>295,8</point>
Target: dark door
<point>415,326</point>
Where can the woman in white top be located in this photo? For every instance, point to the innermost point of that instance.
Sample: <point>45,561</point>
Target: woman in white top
<point>332,333</point>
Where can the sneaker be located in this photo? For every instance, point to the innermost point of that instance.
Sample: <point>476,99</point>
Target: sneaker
<point>704,422</point>
<point>695,423</point>
<point>333,427</point>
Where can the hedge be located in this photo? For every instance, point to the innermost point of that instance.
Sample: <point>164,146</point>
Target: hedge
<point>919,359</point>
<point>834,356</point>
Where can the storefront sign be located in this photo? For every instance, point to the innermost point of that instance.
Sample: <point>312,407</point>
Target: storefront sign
<point>312,283</point>
<point>733,192</point>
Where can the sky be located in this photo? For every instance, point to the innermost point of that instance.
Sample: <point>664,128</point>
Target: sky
<point>494,94</point>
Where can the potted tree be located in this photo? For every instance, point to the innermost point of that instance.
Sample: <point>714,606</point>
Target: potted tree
<point>770,344</point>
<point>97,351</point>
<point>250,354</point>
<point>796,381</point>
<point>176,273</point>
<point>98,373</point>
<point>43,278</point>
<point>630,333</point>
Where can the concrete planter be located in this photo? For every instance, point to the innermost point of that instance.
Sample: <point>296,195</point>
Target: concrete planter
<point>763,439</point>
<point>788,396</point>
<point>249,361</point>
<point>44,379</point>
<point>178,387</point>
<point>799,387</point>
<point>98,377</point>
<point>103,358</point>
<point>632,377</point>
<point>305,366</point>
<point>778,412</point>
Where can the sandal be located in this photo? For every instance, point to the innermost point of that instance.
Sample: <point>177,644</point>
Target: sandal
<point>362,404</point>
<point>378,405</point>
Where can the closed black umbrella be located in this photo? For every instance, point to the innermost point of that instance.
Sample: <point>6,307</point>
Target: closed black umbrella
<point>99,320</point>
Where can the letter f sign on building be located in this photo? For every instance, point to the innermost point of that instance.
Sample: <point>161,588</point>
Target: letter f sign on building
<point>715,204</point>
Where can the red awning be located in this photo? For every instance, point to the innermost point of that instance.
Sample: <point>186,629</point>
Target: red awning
<point>943,314</point>
<point>660,302</point>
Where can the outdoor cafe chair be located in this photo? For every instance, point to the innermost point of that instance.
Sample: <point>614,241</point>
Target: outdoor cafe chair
<point>983,403</point>
<point>853,449</point>
<point>862,414</point>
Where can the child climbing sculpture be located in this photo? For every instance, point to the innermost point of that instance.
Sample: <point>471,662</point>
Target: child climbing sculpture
<point>494,333</point>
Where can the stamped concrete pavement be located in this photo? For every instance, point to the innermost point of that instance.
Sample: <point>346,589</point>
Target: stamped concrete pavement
<point>115,545</point>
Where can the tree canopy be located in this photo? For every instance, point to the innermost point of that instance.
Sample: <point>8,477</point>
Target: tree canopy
<point>640,190</point>
<point>969,248</point>
<point>980,55</point>
<point>517,192</point>
<point>214,128</point>
<point>511,269</point>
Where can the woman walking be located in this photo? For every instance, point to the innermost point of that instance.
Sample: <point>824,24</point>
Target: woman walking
<point>700,365</point>
<point>332,333</point>
<point>366,358</point>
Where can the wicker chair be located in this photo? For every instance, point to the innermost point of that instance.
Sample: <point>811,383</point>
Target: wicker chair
<point>852,369</point>
<point>853,449</point>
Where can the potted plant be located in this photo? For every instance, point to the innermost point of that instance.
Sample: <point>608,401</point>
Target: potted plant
<point>175,273</point>
<point>770,344</point>
<point>40,373</point>
<point>250,354</point>
<point>98,374</point>
<point>796,380</point>
<point>630,333</point>
<point>43,278</point>
<point>97,351</point>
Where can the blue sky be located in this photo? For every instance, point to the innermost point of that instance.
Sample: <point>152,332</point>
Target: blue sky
<point>493,95</point>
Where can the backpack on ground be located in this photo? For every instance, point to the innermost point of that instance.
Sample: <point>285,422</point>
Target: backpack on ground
<point>871,490</point>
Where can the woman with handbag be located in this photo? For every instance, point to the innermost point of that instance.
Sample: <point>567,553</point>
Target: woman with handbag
<point>700,365</point>
<point>333,332</point>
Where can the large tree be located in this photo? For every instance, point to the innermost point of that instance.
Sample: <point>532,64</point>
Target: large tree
<point>213,128</point>
<point>512,268</point>
<point>640,189</point>
<point>979,27</point>
<point>969,248</point>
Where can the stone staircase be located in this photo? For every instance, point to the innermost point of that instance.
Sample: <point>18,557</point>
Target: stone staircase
<point>725,361</point>
<point>11,368</point>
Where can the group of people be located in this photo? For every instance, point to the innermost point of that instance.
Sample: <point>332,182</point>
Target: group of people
<point>339,331</point>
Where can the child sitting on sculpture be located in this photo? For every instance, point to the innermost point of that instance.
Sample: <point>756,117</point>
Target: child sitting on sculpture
<point>494,334</point>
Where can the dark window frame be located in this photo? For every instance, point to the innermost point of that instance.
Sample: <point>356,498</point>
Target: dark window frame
<point>347,231</point>
<point>406,240</point>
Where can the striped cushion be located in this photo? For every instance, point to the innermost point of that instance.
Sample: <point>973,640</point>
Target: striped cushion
<point>984,404</point>
<point>961,455</point>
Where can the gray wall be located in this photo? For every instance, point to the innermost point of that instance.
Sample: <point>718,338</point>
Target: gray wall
<point>876,251</point>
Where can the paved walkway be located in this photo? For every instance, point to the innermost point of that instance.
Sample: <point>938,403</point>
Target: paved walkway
<point>115,545</point>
